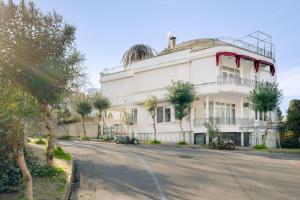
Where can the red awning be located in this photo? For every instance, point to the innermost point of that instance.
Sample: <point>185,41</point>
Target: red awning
<point>238,60</point>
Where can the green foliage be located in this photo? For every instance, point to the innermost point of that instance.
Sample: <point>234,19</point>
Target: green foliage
<point>107,138</point>
<point>59,153</point>
<point>127,118</point>
<point>69,120</point>
<point>181,96</point>
<point>155,142</point>
<point>84,107</point>
<point>265,97</point>
<point>182,143</point>
<point>136,53</point>
<point>150,105</point>
<point>47,171</point>
<point>10,174</point>
<point>212,129</point>
<point>101,102</point>
<point>65,137</point>
<point>293,117</point>
<point>38,51</point>
<point>85,138</point>
<point>40,141</point>
<point>260,146</point>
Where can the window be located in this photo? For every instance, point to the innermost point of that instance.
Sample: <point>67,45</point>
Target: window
<point>160,114</point>
<point>167,115</point>
<point>134,116</point>
<point>163,114</point>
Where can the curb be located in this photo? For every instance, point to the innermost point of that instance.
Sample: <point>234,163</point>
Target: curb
<point>69,181</point>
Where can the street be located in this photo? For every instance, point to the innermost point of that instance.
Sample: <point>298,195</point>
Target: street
<point>122,172</point>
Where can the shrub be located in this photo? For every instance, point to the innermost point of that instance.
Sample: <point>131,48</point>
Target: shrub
<point>47,171</point>
<point>155,142</point>
<point>260,146</point>
<point>70,120</point>
<point>59,153</point>
<point>40,141</point>
<point>65,137</point>
<point>106,138</point>
<point>84,138</point>
<point>182,143</point>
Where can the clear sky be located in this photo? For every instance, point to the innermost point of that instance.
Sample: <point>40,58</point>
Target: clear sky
<point>106,29</point>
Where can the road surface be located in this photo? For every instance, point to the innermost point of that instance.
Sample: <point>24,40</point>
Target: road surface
<point>128,172</point>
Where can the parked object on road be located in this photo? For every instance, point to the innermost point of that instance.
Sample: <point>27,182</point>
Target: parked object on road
<point>220,143</point>
<point>121,139</point>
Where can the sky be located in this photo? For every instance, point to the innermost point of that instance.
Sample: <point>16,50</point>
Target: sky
<point>106,29</point>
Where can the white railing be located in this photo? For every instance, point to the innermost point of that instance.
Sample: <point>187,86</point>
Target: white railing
<point>241,122</point>
<point>245,82</point>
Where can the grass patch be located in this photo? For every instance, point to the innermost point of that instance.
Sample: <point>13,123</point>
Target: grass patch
<point>182,143</point>
<point>260,146</point>
<point>65,137</point>
<point>154,142</point>
<point>59,153</point>
<point>85,138</point>
<point>40,141</point>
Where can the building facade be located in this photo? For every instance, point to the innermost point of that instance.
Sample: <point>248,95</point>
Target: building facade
<point>223,74</point>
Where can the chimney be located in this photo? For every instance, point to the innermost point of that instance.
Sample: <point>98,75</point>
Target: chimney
<point>171,42</point>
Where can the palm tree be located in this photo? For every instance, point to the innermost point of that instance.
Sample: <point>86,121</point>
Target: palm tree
<point>136,53</point>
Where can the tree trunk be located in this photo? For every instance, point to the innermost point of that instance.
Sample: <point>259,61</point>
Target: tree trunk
<point>182,132</point>
<point>83,125</point>
<point>26,174</point>
<point>47,118</point>
<point>154,127</point>
<point>267,129</point>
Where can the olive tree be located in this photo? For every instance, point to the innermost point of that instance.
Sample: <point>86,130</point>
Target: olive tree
<point>17,107</point>
<point>150,105</point>
<point>265,97</point>
<point>181,95</point>
<point>101,103</point>
<point>84,107</point>
<point>38,52</point>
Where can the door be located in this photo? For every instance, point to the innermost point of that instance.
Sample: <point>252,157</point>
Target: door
<point>246,139</point>
<point>199,138</point>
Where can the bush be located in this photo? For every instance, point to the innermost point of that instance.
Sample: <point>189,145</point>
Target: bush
<point>40,141</point>
<point>70,120</point>
<point>155,142</point>
<point>47,171</point>
<point>260,146</point>
<point>106,138</point>
<point>85,138</point>
<point>182,143</point>
<point>59,153</point>
<point>65,137</point>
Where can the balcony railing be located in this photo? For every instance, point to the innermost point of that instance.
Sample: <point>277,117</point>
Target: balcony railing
<point>235,80</point>
<point>241,122</point>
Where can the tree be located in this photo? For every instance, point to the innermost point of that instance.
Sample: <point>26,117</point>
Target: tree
<point>38,53</point>
<point>150,105</point>
<point>181,95</point>
<point>84,107</point>
<point>293,116</point>
<point>265,98</point>
<point>136,53</point>
<point>101,103</point>
<point>16,108</point>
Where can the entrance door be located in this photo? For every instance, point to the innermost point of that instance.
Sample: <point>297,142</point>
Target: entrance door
<point>199,138</point>
<point>246,139</point>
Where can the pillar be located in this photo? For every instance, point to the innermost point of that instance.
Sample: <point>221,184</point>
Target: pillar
<point>242,139</point>
<point>207,116</point>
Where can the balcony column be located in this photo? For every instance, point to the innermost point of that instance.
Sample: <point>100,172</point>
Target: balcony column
<point>207,116</point>
<point>242,139</point>
<point>242,107</point>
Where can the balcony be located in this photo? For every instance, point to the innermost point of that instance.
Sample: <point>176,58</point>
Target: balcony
<point>240,122</point>
<point>235,80</point>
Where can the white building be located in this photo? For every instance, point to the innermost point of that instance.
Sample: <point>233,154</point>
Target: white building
<point>223,72</point>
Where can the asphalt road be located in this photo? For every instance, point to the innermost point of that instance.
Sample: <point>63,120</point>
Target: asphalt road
<point>123,172</point>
